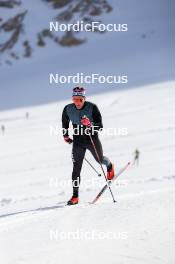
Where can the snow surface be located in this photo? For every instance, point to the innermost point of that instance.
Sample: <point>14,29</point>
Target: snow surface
<point>143,219</point>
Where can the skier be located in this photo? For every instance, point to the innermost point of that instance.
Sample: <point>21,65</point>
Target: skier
<point>3,129</point>
<point>86,119</point>
<point>27,115</point>
<point>136,157</point>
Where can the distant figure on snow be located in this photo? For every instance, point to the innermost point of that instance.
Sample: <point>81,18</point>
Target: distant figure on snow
<point>27,115</point>
<point>136,157</point>
<point>3,129</point>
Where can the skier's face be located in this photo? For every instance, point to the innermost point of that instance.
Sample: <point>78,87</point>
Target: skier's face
<point>78,101</point>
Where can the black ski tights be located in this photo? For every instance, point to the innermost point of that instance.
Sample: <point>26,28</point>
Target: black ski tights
<point>78,153</point>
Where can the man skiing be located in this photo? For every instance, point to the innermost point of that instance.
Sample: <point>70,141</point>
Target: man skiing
<point>136,156</point>
<point>87,121</point>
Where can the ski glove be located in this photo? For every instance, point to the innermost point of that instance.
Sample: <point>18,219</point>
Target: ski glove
<point>85,121</point>
<point>68,140</point>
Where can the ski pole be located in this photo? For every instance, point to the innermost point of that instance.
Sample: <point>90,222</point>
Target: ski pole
<point>101,166</point>
<point>93,167</point>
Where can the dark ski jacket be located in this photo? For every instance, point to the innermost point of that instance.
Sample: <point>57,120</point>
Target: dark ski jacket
<point>80,133</point>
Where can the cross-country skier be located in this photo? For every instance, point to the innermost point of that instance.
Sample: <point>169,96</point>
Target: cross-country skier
<point>3,129</point>
<point>86,118</point>
<point>136,157</point>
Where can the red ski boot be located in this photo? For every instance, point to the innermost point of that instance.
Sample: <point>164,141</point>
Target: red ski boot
<point>110,173</point>
<point>73,201</point>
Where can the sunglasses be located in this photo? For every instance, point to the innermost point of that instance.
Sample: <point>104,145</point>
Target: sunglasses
<point>76,100</point>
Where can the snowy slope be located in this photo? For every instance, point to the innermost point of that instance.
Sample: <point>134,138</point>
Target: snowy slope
<point>142,222</point>
<point>145,53</point>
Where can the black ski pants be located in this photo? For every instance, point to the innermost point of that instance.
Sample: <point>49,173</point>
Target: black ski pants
<point>78,153</point>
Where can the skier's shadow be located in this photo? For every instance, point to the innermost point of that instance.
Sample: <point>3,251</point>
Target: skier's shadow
<point>53,207</point>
